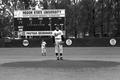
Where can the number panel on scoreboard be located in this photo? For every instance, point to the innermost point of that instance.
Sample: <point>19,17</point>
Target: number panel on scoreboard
<point>38,24</point>
<point>46,21</point>
<point>57,20</point>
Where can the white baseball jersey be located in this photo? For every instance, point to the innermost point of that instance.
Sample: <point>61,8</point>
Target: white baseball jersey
<point>1,6</point>
<point>43,44</point>
<point>58,35</point>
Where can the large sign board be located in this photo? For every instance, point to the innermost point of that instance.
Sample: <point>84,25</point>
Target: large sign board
<point>39,13</point>
<point>38,33</point>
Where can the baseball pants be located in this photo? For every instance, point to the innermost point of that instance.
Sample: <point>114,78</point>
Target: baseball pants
<point>58,47</point>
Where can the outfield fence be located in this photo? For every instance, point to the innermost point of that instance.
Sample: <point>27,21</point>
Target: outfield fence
<point>85,42</point>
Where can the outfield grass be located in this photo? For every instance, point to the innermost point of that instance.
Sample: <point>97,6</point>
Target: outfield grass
<point>88,63</point>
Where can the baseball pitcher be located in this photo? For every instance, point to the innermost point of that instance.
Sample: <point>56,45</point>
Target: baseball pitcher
<point>58,41</point>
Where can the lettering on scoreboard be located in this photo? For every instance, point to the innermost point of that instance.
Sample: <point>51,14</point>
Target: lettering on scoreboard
<point>39,33</point>
<point>39,13</point>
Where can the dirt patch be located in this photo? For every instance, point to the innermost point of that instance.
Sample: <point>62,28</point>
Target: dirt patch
<point>61,64</point>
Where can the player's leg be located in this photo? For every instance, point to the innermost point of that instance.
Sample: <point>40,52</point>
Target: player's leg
<point>42,51</point>
<point>61,51</point>
<point>45,51</point>
<point>56,50</point>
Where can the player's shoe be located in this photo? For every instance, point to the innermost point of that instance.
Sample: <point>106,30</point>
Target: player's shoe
<point>44,54</point>
<point>61,58</point>
<point>58,58</point>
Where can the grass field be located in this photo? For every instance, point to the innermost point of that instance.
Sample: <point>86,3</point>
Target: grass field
<point>80,63</point>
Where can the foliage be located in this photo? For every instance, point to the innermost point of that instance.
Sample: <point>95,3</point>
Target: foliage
<point>89,16</point>
<point>96,17</point>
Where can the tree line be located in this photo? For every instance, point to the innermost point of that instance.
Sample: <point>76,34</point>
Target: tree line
<point>90,18</point>
<point>94,18</point>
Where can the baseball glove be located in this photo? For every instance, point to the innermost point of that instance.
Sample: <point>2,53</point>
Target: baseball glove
<point>61,43</point>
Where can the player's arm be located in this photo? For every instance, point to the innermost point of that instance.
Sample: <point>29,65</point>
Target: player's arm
<point>53,37</point>
<point>63,39</point>
<point>62,36</point>
<point>62,42</point>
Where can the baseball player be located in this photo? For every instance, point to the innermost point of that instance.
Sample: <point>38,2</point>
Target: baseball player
<point>43,48</point>
<point>58,41</point>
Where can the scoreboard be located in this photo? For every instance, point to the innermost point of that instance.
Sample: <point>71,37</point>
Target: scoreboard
<point>38,22</point>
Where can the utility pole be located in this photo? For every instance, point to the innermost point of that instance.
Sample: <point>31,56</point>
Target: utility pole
<point>102,26</point>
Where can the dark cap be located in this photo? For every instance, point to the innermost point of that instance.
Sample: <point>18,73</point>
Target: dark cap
<point>57,25</point>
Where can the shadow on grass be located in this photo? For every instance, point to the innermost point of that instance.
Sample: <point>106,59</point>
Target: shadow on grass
<point>61,64</point>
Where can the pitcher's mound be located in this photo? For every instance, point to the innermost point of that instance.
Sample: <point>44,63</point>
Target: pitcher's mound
<point>61,64</point>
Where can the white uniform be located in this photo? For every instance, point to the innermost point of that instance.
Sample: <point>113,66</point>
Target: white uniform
<point>43,47</point>
<point>1,6</point>
<point>39,6</point>
<point>58,38</point>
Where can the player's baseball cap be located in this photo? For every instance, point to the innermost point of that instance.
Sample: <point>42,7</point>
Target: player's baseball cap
<point>57,25</point>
